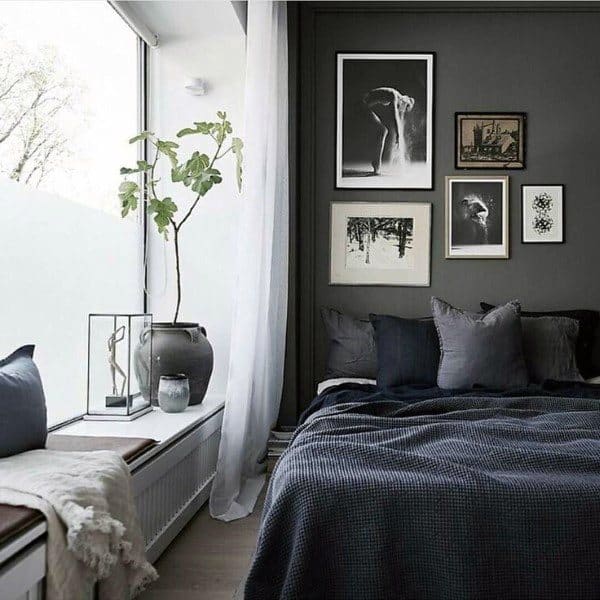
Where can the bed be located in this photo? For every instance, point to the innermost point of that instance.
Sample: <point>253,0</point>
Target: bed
<point>417,492</point>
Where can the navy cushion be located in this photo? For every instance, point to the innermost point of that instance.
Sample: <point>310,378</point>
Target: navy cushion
<point>589,321</point>
<point>22,404</point>
<point>351,346</point>
<point>408,351</point>
<point>549,348</point>
<point>480,350</point>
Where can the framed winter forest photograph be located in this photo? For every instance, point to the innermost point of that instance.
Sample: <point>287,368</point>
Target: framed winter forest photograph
<point>380,243</point>
<point>477,216</point>
<point>543,214</point>
<point>384,121</point>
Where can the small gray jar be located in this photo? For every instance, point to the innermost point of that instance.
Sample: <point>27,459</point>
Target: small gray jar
<point>173,393</point>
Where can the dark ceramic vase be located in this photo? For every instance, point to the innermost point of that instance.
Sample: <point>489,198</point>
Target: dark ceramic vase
<point>176,348</point>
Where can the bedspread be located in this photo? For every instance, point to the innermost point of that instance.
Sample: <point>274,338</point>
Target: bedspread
<point>454,497</point>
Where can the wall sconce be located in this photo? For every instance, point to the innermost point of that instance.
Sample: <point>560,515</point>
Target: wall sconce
<point>195,86</point>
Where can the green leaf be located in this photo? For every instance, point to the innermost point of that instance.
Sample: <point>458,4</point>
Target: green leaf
<point>128,194</point>
<point>142,166</point>
<point>187,131</point>
<point>167,148</point>
<point>204,127</point>
<point>236,146</point>
<point>205,180</point>
<point>144,135</point>
<point>128,187</point>
<point>163,211</point>
<point>178,174</point>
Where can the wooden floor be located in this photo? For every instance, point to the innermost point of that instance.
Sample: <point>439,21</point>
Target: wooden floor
<point>208,559</point>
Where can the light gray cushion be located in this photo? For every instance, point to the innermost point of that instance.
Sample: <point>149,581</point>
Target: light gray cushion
<point>22,404</point>
<point>549,347</point>
<point>480,350</point>
<point>352,351</point>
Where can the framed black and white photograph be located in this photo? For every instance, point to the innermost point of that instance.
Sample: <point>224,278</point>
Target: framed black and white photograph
<point>477,217</point>
<point>543,214</point>
<point>490,140</point>
<point>384,121</point>
<point>380,243</point>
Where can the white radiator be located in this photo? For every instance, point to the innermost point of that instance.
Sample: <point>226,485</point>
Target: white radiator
<point>171,487</point>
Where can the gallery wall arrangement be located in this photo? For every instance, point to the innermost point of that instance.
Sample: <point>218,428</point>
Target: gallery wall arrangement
<point>384,140</point>
<point>404,105</point>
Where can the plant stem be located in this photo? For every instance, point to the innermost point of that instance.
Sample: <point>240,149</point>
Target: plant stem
<point>177,226</point>
<point>177,269</point>
<point>152,169</point>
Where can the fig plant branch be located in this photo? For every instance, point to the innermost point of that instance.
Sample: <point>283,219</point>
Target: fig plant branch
<point>198,173</point>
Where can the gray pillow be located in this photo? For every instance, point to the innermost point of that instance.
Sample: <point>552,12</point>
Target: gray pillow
<point>22,404</point>
<point>480,350</point>
<point>352,351</point>
<point>549,345</point>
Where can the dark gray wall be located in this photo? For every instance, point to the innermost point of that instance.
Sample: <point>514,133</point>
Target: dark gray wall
<point>543,62</point>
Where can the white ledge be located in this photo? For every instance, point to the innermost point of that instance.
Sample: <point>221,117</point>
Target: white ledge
<point>157,425</point>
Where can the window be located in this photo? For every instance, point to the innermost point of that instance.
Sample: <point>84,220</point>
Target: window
<point>69,102</point>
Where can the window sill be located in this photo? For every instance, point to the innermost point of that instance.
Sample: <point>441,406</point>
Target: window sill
<point>165,428</point>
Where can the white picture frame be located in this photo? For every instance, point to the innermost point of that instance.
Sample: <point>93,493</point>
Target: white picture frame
<point>380,243</point>
<point>477,216</point>
<point>365,158</point>
<point>542,214</point>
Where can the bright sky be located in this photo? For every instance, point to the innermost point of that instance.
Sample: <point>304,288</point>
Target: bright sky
<point>100,51</point>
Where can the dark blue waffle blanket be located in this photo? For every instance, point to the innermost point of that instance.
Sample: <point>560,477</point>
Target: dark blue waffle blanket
<point>461,497</point>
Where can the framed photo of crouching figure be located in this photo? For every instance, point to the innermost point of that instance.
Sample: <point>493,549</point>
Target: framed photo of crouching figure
<point>490,140</point>
<point>380,243</point>
<point>384,121</point>
<point>477,217</point>
<point>543,214</point>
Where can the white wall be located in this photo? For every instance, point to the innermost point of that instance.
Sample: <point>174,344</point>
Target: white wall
<point>197,39</point>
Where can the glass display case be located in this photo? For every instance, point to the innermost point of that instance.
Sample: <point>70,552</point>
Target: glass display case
<point>119,366</point>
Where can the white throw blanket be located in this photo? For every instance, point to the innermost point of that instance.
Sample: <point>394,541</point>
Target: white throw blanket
<point>93,530</point>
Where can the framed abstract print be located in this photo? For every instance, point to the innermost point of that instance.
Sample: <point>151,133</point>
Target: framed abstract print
<point>490,140</point>
<point>380,243</point>
<point>384,121</point>
<point>542,214</point>
<point>477,224</point>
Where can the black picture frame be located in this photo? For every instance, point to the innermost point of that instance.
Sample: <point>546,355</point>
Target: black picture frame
<point>562,209</point>
<point>461,164</point>
<point>337,175</point>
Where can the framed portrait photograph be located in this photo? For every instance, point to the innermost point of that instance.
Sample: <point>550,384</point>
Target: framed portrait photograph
<point>380,243</point>
<point>477,217</point>
<point>490,140</point>
<point>542,214</point>
<point>384,121</point>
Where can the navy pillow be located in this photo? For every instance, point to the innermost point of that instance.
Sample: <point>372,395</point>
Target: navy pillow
<point>22,404</point>
<point>588,320</point>
<point>408,351</point>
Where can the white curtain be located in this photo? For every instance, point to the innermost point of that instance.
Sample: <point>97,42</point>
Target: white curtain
<point>259,322</point>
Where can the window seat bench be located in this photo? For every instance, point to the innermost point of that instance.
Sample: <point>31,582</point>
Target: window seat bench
<point>172,460</point>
